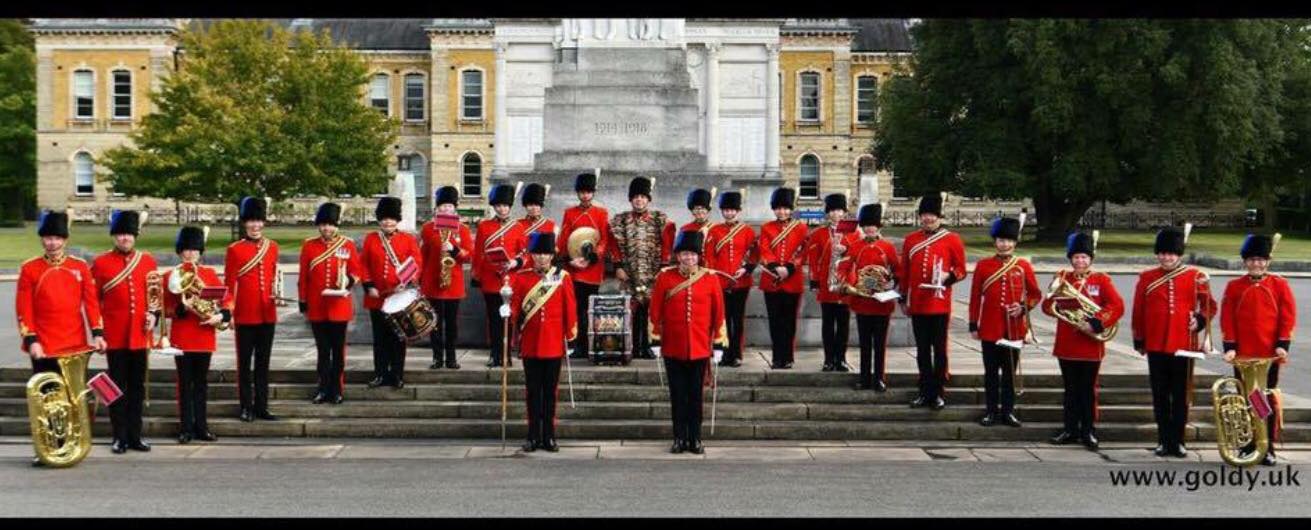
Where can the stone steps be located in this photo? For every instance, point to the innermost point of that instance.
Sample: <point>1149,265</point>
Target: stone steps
<point>652,429</point>
<point>650,410</point>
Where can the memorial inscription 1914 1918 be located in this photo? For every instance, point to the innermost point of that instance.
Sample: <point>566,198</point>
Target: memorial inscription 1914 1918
<point>611,128</point>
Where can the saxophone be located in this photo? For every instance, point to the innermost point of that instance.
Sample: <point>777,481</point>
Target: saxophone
<point>1235,426</point>
<point>448,263</point>
<point>60,414</point>
<point>834,282</point>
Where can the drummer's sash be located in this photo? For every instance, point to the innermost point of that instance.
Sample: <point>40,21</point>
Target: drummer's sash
<point>333,246</point>
<point>685,283</point>
<point>783,234</point>
<point>732,233</point>
<point>537,224</point>
<point>256,259</point>
<point>506,225</point>
<point>1005,268</point>
<point>389,251</point>
<point>123,275</point>
<point>540,294</point>
<point>1165,278</point>
<point>927,241</point>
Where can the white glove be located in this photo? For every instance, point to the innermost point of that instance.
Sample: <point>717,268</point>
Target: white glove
<point>656,350</point>
<point>505,310</point>
<point>717,355</point>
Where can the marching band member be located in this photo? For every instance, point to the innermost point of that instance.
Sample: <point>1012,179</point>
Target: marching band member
<point>728,249</point>
<point>1257,318</point>
<point>497,251</point>
<point>872,316</point>
<point>194,335</point>
<point>932,259</point>
<point>329,263</point>
<point>542,307</point>
<point>1076,350</point>
<point>54,291</point>
<point>250,270</point>
<point>587,271</point>
<point>435,244</point>
<point>533,199</point>
<point>1171,302</point>
<point>780,247</point>
<point>121,276</point>
<point>698,202</point>
<point>687,316</point>
<point>385,251</point>
<point>1002,294</point>
<point>821,248</point>
<point>640,245</point>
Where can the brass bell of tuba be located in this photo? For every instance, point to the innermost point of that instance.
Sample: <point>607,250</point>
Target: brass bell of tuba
<point>60,414</point>
<point>1236,427</point>
<point>188,285</point>
<point>1062,288</point>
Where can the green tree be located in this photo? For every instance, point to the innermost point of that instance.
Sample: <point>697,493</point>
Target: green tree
<point>1072,112</point>
<point>17,122</point>
<point>256,109</point>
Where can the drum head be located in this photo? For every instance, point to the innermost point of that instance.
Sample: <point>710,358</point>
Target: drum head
<point>398,301</point>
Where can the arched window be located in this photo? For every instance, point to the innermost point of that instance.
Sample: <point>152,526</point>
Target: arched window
<point>84,174</point>
<point>809,177</point>
<point>471,175</point>
<point>380,94</point>
<point>414,97</point>
<point>471,94</point>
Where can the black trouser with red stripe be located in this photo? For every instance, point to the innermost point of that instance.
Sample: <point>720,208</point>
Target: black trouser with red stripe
<point>1080,403</point>
<point>192,389</point>
<point>999,366</point>
<point>1271,383</point>
<point>330,340</point>
<point>686,381</point>
<point>930,353</point>
<point>583,292</point>
<point>735,308</point>
<point>254,347</point>
<point>388,349</point>
<point>781,308</point>
<point>444,335</point>
<point>543,379</point>
<point>835,331</point>
<point>873,331</point>
<point>495,324</point>
<point>1169,377</point>
<point>641,333</point>
<point>128,370</point>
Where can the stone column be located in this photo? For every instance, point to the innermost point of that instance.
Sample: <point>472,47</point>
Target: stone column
<point>772,94</point>
<point>712,104</point>
<point>502,138</point>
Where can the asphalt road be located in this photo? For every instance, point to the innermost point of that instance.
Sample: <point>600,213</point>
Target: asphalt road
<point>511,487</point>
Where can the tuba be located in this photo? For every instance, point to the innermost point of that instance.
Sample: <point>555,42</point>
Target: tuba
<point>60,413</point>
<point>1060,288</point>
<point>188,285</point>
<point>1236,427</point>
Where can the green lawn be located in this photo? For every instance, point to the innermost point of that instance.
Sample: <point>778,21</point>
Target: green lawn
<point>19,244</point>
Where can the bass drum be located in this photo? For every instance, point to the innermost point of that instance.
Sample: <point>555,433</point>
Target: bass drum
<point>410,315</point>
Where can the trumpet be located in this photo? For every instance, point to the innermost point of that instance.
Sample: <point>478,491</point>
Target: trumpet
<point>1062,289</point>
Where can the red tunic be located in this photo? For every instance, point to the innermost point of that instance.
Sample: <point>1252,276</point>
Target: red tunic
<point>689,321</point>
<point>542,335</point>
<point>493,234</point>
<point>862,253</point>
<point>1072,344</point>
<point>188,333</point>
<point>323,275</point>
<point>819,254</point>
<point>1162,318</point>
<point>728,254</point>
<point>124,304</point>
<point>378,267</point>
<point>917,266</point>
<point>578,217</point>
<point>788,250</point>
<point>253,290</point>
<point>431,245</point>
<point>988,305</point>
<point>1257,316</point>
<point>528,227</point>
<point>50,301</point>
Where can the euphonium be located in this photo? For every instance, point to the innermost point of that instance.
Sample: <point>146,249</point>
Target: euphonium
<point>188,285</point>
<point>59,412</point>
<point>1060,288</point>
<point>448,264</point>
<point>1235,425</point>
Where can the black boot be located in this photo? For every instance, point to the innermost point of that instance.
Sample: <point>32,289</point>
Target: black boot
<point>451,362</point>
<point>1009,419</point>
<point>695,447</point>
<point>988,420</point>
<point>919,401</point>
<point>117,447</point>
<point>550,445</point>
<point>880,386</point>
<point>1089,441</point>
<point>246,415</point>
<point>376,382</point>
<point>184,437</point>
<point>1061,438</point>
<point>528,446</point>
<point>139,445</point>
<point>319,398</point>
<point>265,415</point>
<point>678,447</point>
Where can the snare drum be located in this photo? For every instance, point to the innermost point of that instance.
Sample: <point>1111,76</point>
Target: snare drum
<point>409,314</point>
